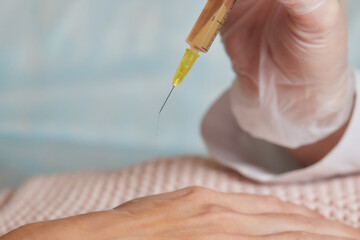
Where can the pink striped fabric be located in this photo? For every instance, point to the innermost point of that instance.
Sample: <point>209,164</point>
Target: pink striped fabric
<point>53,197</point>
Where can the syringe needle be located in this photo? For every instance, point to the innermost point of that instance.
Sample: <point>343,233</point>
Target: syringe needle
<point>166,99</point>
<point>185,65</point>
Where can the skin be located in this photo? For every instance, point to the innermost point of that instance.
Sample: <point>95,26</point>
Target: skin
<point>197,213</point>
<point>193,214</point>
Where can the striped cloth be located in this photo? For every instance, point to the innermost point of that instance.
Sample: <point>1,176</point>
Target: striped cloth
<point>52,197</point>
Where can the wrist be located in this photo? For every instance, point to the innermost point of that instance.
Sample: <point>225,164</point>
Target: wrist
<point>313,153</point>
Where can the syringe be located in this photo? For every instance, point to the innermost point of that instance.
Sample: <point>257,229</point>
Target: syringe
<point>202,36</point>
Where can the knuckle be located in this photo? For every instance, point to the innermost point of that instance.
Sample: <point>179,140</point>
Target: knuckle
<point>128,203</point>
<point>198,192</point>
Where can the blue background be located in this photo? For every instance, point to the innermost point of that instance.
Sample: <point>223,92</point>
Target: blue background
<point>82,81</point>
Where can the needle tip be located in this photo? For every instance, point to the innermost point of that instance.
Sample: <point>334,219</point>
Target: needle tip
<point>166,100</point>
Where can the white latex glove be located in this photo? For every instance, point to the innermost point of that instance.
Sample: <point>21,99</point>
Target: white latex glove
<point>294,84</point>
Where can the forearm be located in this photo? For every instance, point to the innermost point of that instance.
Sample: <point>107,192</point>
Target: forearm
<point>22,233</point>
<point>57,229</point>
<point>109,225</point>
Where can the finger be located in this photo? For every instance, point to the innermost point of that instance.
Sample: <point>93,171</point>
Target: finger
<point>271,204</point>
<point>314,15</point>
<point>280,236</point>
<point>268,224</point>
<point>256,204</point>
<point>277,223</point>
<point>168,196</point>
<point>299,236</point>
<point>241,203</point>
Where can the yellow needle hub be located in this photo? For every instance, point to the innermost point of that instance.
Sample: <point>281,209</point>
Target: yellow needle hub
<point>186,64</point>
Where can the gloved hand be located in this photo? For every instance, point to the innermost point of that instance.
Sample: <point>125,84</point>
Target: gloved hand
<point>294,84</point>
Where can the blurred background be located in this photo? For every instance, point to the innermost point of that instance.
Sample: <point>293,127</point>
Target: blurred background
<point>82,81</point>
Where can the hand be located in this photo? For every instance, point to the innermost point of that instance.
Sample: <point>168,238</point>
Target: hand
<point>294,84</point>
<point>193,214</point>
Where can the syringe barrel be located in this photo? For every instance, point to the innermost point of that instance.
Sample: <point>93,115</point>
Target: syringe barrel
<point>209,24</point>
